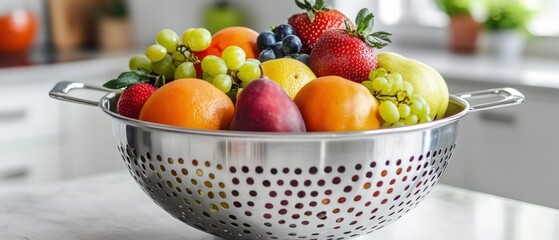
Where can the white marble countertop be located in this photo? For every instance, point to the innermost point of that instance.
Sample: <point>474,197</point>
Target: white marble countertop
<point>112,206</point>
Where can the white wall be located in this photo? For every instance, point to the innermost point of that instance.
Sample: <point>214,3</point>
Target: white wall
<point>151,16</point>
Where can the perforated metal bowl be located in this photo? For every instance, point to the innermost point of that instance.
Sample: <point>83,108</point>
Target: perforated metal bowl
<point>246,185</point>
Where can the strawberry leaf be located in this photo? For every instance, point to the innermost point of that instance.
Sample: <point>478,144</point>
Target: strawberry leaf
<point>365,22</point>
<point>311,9</point>
<point>319,5</point>
<point>300,4</point>
<point>127,79</point>
<point>379,39</point>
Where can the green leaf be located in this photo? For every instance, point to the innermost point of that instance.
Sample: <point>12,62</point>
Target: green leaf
<point>361,15</point>
<point>347,26</point>
<point>379,39</point>
<point>319,5</point>
<point>300,4</point>
<point>127,79</point>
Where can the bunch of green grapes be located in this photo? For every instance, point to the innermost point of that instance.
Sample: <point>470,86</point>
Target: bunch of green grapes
<point>232,71</point>
<point>398,105</point>
<point>172,56</point>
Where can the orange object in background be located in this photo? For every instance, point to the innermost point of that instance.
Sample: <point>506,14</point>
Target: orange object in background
<point>18,29</point>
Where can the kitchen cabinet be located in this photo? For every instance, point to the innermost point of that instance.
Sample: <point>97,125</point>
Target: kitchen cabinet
<point>511,152</point>
<point>29,127</point>
<point>43,139</point>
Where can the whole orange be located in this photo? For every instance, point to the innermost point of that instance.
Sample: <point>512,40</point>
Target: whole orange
<point>190,103</point>
<point>335,104</point>
<point>242,37</point>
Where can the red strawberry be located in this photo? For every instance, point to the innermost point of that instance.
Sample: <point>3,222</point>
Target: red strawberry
<point>349,53</point>
<point>133,98</point>
<point>310,25</point>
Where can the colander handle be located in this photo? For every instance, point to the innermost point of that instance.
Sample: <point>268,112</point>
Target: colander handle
<point>510,96</point>
<point>60,91</point>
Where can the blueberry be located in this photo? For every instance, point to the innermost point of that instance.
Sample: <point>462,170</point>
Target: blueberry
<point>266,39</point>
<point>267,54</point>
<point>277,48</point>
<point>283,31</point>
<point>291,44</point>
<point>304,58</point>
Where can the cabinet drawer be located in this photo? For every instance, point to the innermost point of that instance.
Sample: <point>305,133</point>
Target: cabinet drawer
<point>27,112</point>
<point>37,162</point>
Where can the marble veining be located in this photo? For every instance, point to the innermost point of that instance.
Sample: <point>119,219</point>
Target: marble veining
<point>112,206</point>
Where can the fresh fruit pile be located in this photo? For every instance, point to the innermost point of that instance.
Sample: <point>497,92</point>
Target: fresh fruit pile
<point>280,42</point>
<point>318,72</point>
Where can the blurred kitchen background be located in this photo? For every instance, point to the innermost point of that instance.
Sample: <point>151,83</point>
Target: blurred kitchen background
<point>475,44</point>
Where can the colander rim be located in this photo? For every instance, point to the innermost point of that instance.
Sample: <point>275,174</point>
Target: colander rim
<point>105,105</point>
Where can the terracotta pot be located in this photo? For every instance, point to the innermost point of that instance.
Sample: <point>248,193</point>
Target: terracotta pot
<point>464,34</point>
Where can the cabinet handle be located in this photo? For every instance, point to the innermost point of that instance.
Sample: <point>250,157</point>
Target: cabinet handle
<point>500,118</point>
<point>13,115</point>
<point>13,173</point>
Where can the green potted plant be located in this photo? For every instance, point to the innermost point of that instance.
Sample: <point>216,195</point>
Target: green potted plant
<point>507,22</point>
<point>464,28</point>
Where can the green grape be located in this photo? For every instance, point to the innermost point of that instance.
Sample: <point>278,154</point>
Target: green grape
<point>425,118</point>
<point>416,107</point>
<point>398,83</point>
<point>223,82</point>
<point>185,70</point>
<point>207,77</point>
<point>199,39</point>
<point>186,36</point>
<point>386,125</point>
<point>389,112</point>
<point>368,85</point>
<point>411,120</point>
<point>401,95</point>
<point>419,98</point>
<point>404,110</point>
<point>379,72</point>
<point>249,72</point>
<point>398,124</point>
<point>156,53</point>
<point>214,65</point>
<point>253,60</point>
<point>426,109</point>
<point>178,56</point>
<point>164,67</point>
<point>234,57</point>
<point>380,84</point>
<point>408,88</point>
<point>139,61</point>
<point>372,75</point>
<point>168,39</point>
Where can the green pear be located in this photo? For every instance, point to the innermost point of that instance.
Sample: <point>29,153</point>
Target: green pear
<point>426,81</point>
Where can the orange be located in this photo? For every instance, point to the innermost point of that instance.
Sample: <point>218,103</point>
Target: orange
<point>190,103</point>
<point>289,73</point>
<point>242,37</point>
<point>335,104</point>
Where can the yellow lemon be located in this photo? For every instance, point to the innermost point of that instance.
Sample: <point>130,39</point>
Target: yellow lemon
<point>289,73</point>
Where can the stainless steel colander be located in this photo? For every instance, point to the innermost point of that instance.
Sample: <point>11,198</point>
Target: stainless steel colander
<point>247,185</point>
